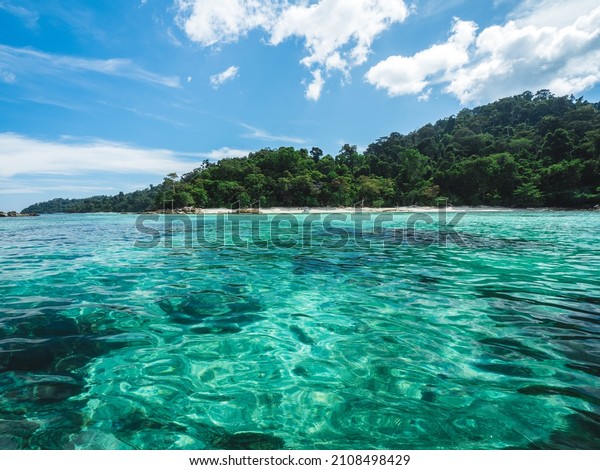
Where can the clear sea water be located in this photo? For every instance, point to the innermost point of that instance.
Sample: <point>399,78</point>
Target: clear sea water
<point>492,344</point>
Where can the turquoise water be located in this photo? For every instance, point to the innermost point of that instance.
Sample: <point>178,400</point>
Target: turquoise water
<point>404,344</point>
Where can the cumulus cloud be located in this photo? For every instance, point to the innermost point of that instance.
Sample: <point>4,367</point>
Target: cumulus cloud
<point>209,22</point>
<point>337,34</point>
<point>22,155</point>
<point>313,91</point>
<point>220,78</point>
<point>544,44</point>
<point>519,55</point>
<point>401,75</point>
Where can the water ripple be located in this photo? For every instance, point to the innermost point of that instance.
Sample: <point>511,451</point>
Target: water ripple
<point>491,345</point>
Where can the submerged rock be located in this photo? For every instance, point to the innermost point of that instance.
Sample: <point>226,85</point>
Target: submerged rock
<point>301,335</point>
<point>212,311</point>
<point>15,434</point>
<point>447,238</point>
<point>307,265</point>
<point>249,441</point>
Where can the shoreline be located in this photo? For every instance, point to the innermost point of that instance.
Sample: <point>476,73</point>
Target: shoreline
<point>344,210</point>
<point>322,210</point>
<point>366,210</point>
<point>325,210</point>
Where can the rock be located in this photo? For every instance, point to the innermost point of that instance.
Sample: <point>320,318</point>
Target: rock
<point>15,214</point>
<point>247,211</point>
<point>182,211</point>
<point>249,441</point>
<point>192,210</point>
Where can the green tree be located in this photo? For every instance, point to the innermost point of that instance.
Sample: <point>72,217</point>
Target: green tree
<point>528,195</point>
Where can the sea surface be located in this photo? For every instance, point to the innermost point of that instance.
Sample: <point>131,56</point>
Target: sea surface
<point>363,333</point>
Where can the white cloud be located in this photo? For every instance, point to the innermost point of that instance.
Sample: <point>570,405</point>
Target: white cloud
<point>558,13</point>
<point>313,91</point>
<point>337,34</point>
<point>29,16</point>
<point>545,44</point>
<point>401,75</point>
<point>425,95</point>
<point>521,54</point>
<point>22,155</point>
<point>260,134</point>
<point>19,188</point>
<point>210,22</point>
<point>220,78</point>
<point>225,152</point>
<point>31,61</point>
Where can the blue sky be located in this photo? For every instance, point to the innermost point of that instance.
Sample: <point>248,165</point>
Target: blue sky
<point>99,97</point>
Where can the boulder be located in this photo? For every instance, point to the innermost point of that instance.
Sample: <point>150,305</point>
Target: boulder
<point>247,211</point>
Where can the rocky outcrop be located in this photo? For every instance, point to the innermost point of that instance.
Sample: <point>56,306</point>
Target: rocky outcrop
<point>247,211</point>
<point>16,214</point>
<point>183,210</point>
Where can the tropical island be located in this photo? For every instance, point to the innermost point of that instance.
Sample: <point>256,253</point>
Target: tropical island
<point>528,150</point>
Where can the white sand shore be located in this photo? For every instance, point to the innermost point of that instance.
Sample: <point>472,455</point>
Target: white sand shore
<point>330,210</point>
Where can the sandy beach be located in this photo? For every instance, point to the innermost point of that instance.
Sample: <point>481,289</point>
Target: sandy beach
<point>330,210</point>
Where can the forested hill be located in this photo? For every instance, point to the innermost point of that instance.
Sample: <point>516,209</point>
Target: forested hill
<point>528,150</point>
<point>137,201</point>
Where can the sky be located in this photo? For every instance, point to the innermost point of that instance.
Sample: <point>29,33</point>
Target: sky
<point>98,97</point>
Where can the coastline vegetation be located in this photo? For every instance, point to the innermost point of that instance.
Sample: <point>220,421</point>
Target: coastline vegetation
<point>529,150</point>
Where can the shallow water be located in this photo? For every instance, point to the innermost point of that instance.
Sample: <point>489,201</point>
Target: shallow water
<point>317,344</point>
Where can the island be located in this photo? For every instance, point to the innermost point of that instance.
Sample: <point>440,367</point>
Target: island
<point>531,150</point>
